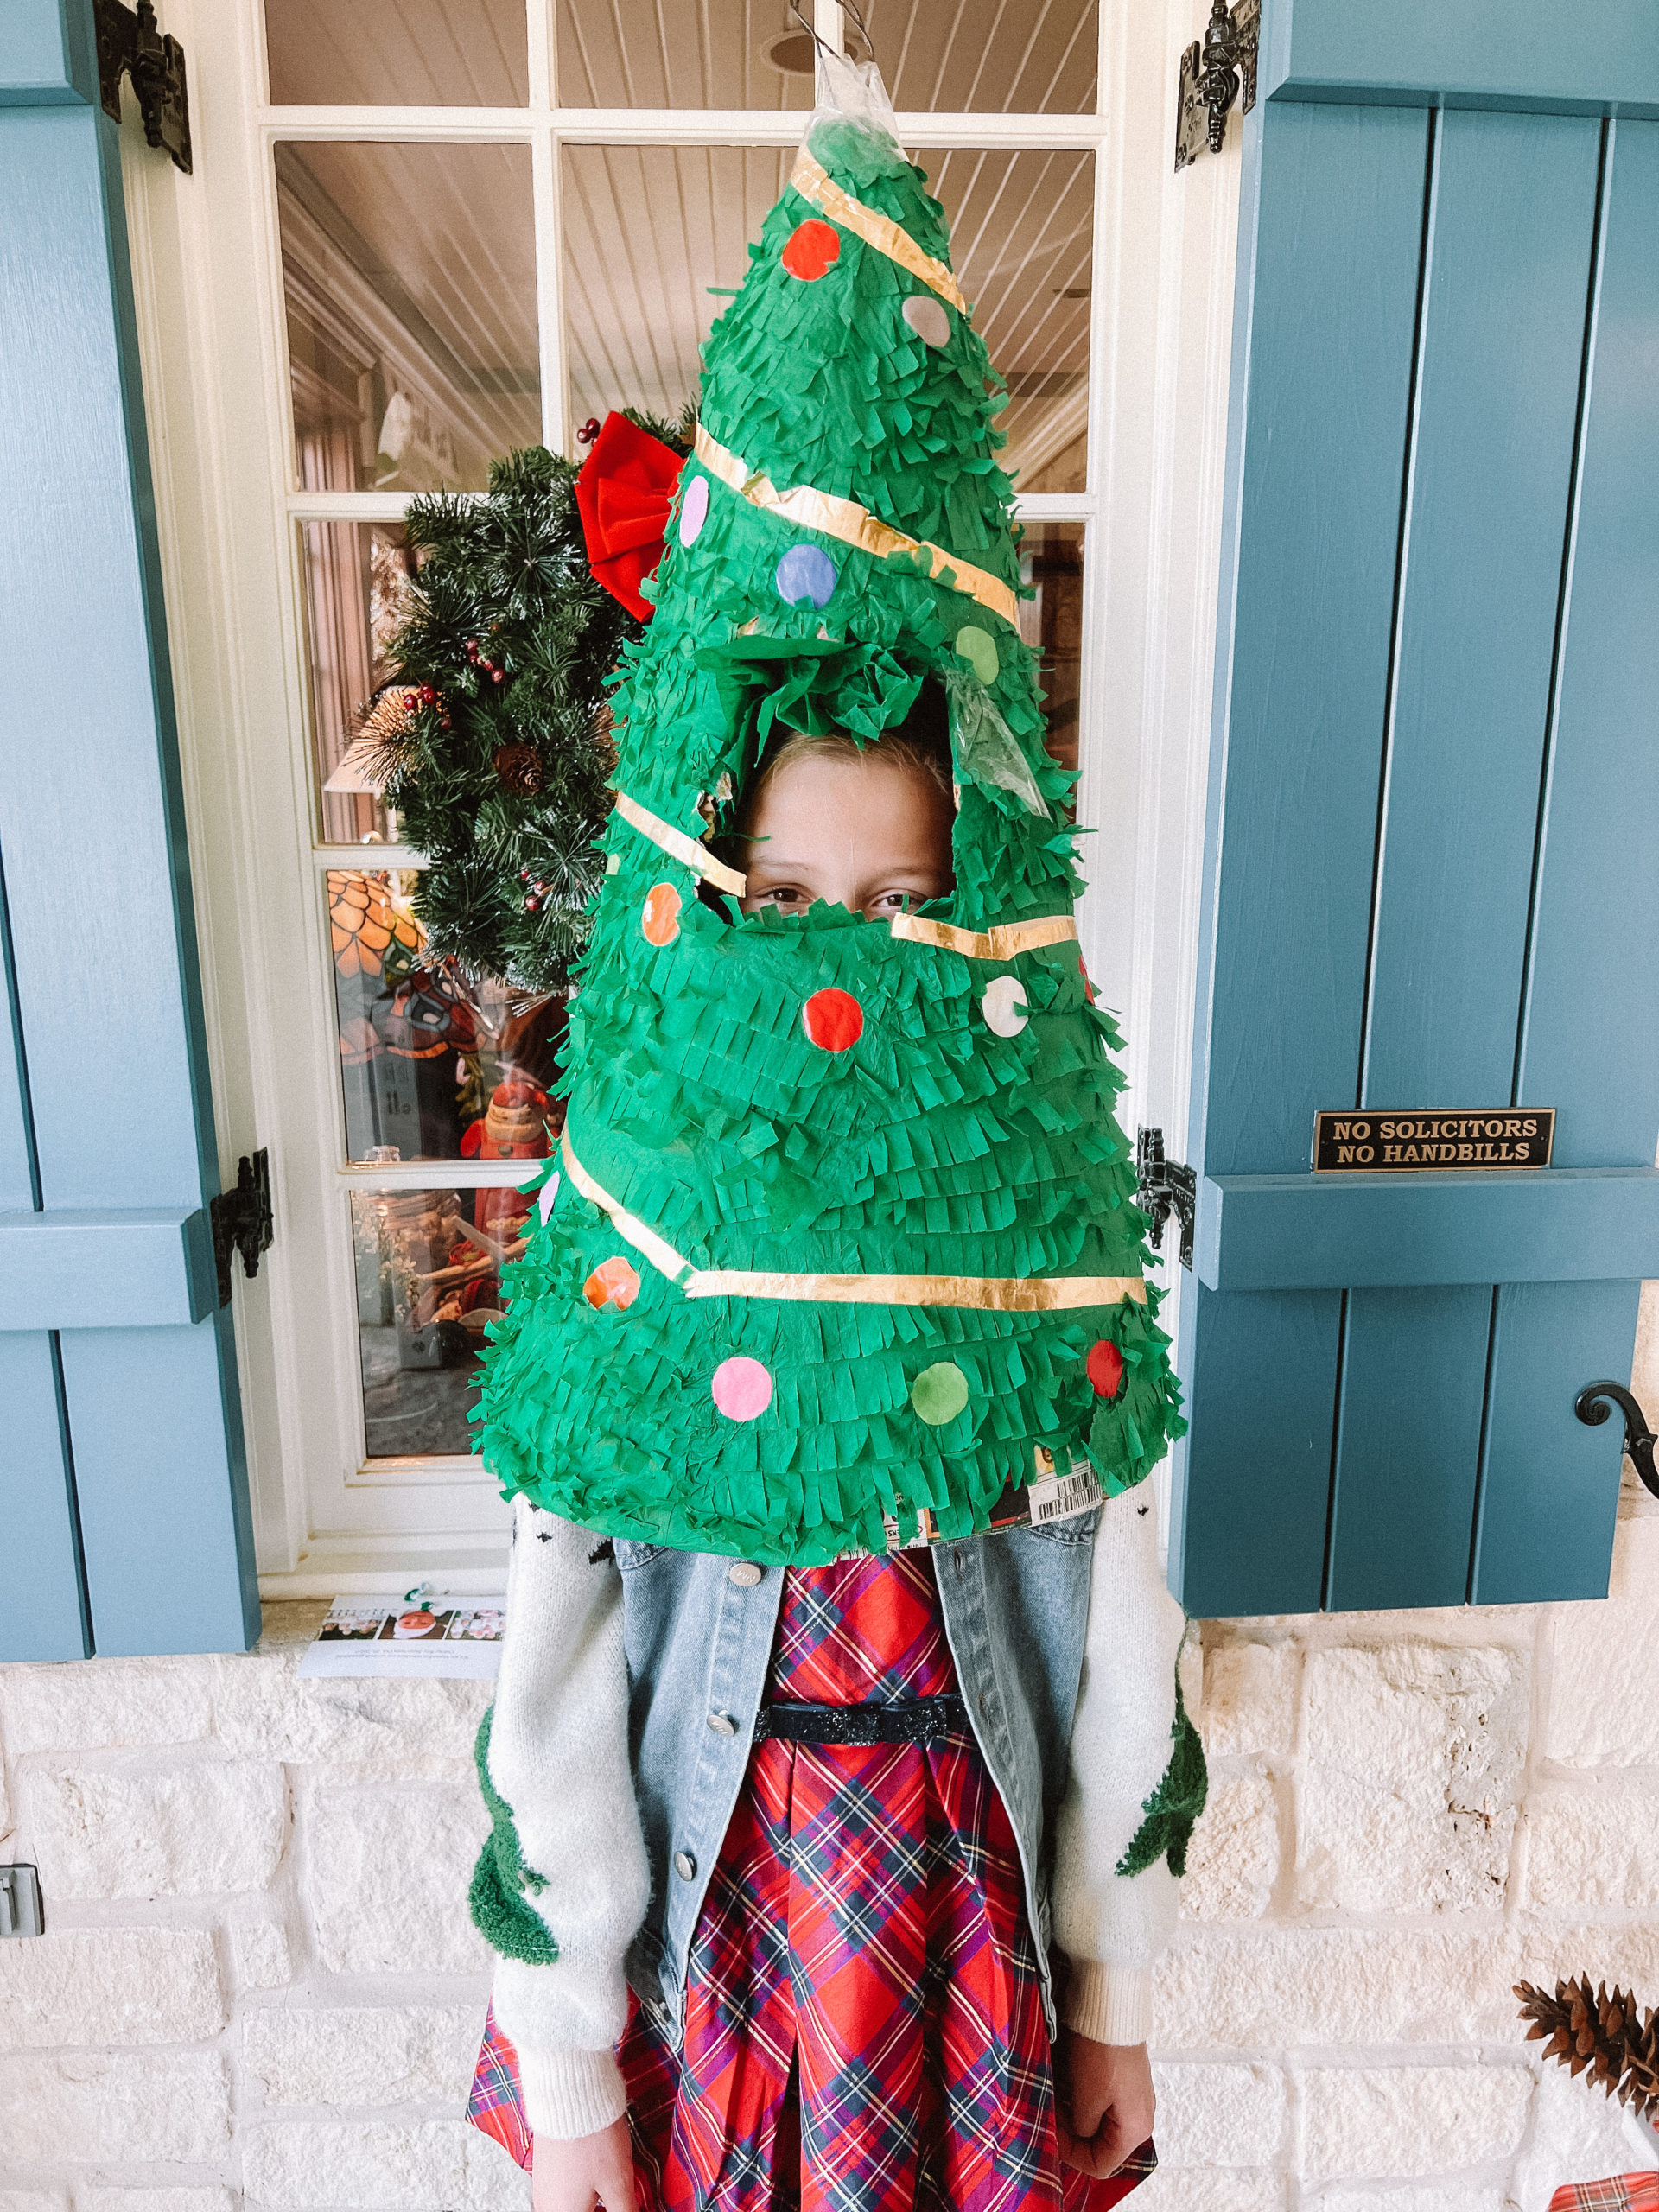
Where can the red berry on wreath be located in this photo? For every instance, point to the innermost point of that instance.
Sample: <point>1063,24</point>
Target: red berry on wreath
<point>429,696</point>
<point>532,905</point>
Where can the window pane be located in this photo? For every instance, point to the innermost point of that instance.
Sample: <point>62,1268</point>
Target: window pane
<point>1022,239</point>
<point>420,54</point>
<point>353,573</point>
<point>946,56</point>
<point>410,277</point>
<point>650,229</point>
<point>433,1065</point>
<point>1051,560</point>
<point>429,1282</point>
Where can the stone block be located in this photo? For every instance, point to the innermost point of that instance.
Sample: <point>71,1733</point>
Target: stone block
<point>101,1985</point>
<point>91,1705</point>
<point>177,1829</point>
<point>1277,1988</point>
<point>388,1877</point>
<point>1456,2199</point>
<point>101,2109</point>
<point>32,2200</point>
<point>155,2200</point>
<point>1200,2189</point>
<point>1233,1862</point>
<point>1576,2135</point>
<point>1602,1709</point>
<point>378,2166</point>
<point>1220,2115</point>
<point>262,1711</point>
<point>1593,1847</point>
<point>1361,2122</point>
<point>1415,1757</point>
<point>363,2055</point>
<point>263,1959</point>
<point>1249,1700</point>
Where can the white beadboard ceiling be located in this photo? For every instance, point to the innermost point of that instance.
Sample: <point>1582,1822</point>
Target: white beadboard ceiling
<point>1008,56</point>
<point>650,229</point>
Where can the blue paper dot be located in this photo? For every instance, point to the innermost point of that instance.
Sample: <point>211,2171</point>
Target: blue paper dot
<point>806,572</point>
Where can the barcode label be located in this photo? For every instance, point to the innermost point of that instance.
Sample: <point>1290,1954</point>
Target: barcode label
<point>1062,1497</point>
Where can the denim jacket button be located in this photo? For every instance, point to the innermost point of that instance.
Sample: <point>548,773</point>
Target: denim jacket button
<point>745,1573</point>
<point>723,1723</point>
<point>685,1866</point>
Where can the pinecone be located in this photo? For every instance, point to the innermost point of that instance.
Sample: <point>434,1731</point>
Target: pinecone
<point>519,768</point>
<point>1604,2034</point>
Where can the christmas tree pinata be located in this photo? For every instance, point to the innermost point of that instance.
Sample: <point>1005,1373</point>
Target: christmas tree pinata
<point>844,1247</point>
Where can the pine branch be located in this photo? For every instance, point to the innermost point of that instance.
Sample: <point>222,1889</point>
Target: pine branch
<point>1604,2034</point>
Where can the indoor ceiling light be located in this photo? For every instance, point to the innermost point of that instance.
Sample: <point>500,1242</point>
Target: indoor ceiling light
<point>789,53</point>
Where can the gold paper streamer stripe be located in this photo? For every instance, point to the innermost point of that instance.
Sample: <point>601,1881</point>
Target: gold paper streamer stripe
<point>853,525</point>
<point>984,1294</point>
<point>811,181</point>
<point>662,1254</point>
<point>697,857</point>
<point>1004,942</point>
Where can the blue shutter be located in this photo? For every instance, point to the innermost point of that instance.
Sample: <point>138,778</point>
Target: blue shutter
<point>123,1519</point>
<point>1430,875</point>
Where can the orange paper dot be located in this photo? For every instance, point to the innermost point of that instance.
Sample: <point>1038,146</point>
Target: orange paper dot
<point>833,1020</point>
<point>813,247</point>
<point>613,1287</point>
<point>659,917</point>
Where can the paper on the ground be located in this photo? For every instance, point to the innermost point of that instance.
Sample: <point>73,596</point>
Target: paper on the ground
<point>423,1635</point>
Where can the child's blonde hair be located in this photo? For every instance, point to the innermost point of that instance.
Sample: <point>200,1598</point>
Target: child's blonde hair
<point>921,743</point>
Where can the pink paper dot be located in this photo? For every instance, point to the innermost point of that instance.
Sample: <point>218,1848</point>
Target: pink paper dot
<point>742,1388</point>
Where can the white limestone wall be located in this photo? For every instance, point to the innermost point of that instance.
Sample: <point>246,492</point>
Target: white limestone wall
<point>259,1986</point>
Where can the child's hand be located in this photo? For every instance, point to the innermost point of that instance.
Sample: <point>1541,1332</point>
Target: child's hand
<point>569,2176</point>
<point>1105,2101</point>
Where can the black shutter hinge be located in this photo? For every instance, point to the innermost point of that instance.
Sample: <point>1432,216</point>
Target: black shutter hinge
<point>1164,1187</point>
<point>1213,75</point>
<point>1591,1407</point>
<point>131,44</point>
<point>242,1220</point>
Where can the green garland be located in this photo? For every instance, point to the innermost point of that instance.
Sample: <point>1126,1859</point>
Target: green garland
<point>494,750</point>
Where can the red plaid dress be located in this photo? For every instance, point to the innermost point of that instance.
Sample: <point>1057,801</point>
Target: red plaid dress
<point>1619,2193</point>
<point>864,2026</point>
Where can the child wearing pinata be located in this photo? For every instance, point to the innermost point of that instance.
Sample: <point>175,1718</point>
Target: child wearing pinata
<point>839,1774</point>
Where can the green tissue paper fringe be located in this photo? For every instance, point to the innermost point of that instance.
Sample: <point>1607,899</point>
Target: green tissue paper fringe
<point>501,1880</point>
<point>1173,1808</point>
<point>696,1099</point>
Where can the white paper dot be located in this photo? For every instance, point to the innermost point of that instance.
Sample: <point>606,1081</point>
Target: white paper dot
<point>927,318</point>
<point>694,510</point>
<point>1004,1005</point>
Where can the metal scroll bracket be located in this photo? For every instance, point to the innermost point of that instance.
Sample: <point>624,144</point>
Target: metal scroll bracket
<point>1163,1187</point>
<point>1591,1407</point>
<point>131,44</point>
<point>242,1220</point>
<point>1213,75</point>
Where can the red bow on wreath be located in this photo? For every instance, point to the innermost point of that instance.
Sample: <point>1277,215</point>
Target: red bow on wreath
<point>623,490</point>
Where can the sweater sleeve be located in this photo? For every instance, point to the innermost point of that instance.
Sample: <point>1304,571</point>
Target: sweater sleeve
<point>1136,1784</point>
<point>562,1883</point>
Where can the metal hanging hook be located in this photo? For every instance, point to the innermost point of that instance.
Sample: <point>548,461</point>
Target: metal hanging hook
<point>1591,1407</point>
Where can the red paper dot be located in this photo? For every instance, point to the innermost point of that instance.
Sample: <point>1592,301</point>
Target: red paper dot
<point>813,247</point>
<point>659,917</point>
<point>1105,1368</point>
<point>833,1020</point>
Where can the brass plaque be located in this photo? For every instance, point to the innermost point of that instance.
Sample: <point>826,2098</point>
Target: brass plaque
<point>1420,1137</point>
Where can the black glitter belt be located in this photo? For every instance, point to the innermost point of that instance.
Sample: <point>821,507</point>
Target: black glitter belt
<point>907,1721</point>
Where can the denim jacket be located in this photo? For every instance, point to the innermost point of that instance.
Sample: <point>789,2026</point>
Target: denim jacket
<point>698,1631</point>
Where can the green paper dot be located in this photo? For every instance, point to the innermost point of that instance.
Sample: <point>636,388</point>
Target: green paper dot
<point>978,649</point>
<point>939,1393</point>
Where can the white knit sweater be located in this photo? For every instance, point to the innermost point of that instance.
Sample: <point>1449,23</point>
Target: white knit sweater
<point>558,1756</point>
